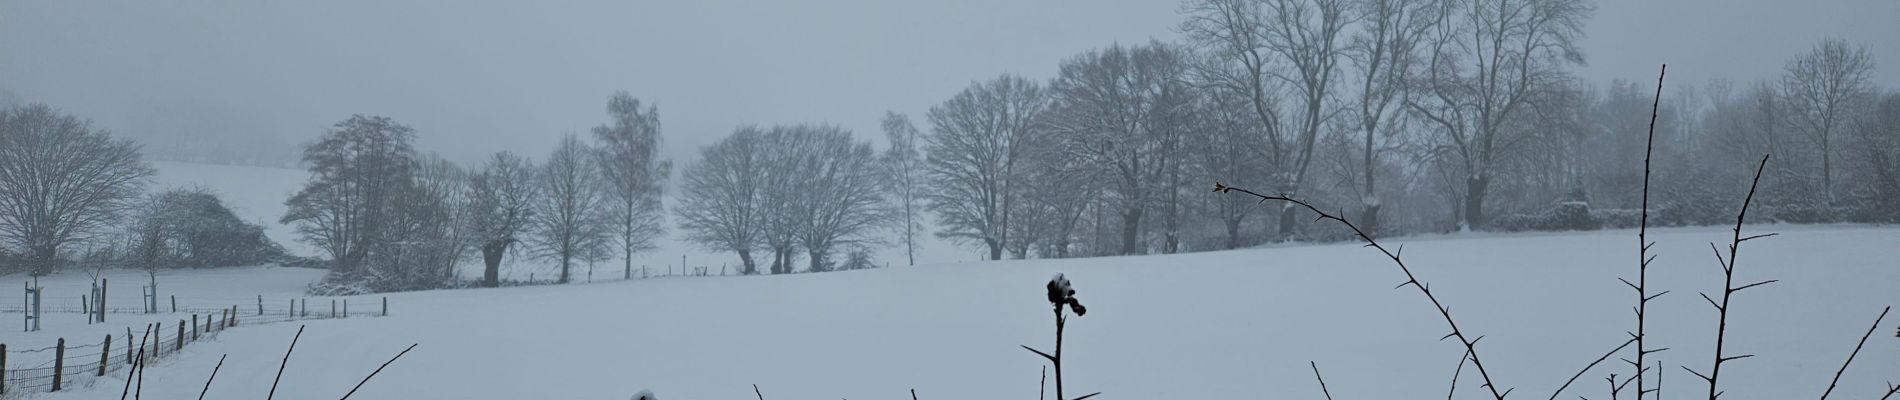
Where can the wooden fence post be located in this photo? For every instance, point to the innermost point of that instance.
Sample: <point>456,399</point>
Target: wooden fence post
<point>128,345</point>
<point>105,354</point>
<point>158,331</point>
<point>3,368</point>
<point>346,308</point>
<point>59,363</point>
<point>292,311</point>
<point>181,336</point>
<point>174,303</point>
<point>194,327</point>
<point>260,304</point>
<point>332,308</point>
<point>234,314</point>
<point>385,306</point>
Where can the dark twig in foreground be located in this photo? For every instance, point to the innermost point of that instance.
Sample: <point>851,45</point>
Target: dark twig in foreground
<point>214,375</point>
<point>372,374</point>
<point>286,362</point>
<point>1586,368</point>
<point>1850,356</point>
<point>1642,250</point>
<point>1729,288</point>
<point>1322,380</point>
<point>755,390</point>
<point>1891,389</point>
<point>1455,372</point>
<point>129,374</point>
<point>1470,343</point>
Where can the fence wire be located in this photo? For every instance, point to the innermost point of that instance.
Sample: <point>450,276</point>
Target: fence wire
<point>33,369</point>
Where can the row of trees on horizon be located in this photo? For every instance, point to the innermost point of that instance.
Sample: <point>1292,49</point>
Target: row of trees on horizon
<point>1409,115</point>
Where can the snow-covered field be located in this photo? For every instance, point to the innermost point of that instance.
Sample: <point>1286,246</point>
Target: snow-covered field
<point>1235,324</point>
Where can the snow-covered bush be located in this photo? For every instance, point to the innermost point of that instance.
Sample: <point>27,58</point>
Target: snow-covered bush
<point>192,228</point>
<point>1565,216</point>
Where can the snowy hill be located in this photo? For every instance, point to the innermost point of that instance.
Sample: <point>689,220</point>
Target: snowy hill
<point>1235,324</point>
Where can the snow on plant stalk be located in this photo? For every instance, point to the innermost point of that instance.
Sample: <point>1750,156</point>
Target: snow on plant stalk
<point>1062,298</point>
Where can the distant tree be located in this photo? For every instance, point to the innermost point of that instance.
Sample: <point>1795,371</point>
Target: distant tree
<point>443,186</point>
<point>633,174</point>
<point>1382,54</point>
<point>904,168</point>
<point>780,191</point>
<point>1822,88</point>
<point>972,158</point>
<point>355,169</point>
<point>1121,109</point>
<point>839,198</point>
<point>61,180</point>
<point>1230,149</point>
<point>192,228</point>
<point>567,218</point>
<point>719,198</point>
<point>1481,69</point>
<point>501,202</point>
<point>1879,144</point>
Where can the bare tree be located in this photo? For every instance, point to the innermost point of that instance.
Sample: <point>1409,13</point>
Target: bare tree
<point>1382,53</point>
<point>444,184</point>
<point>567,219</point>
<point>61,180</point>
<point>837,200</point>
<point>1822,88</point>
<point>1121,110</point>
<point>719,197</point>
<point>904,168</point>
<point>1230,147</point>
<point>633,174</point>
<point>1482,68</point>
<point>356,171</point>
<point>973,155</point>
<point>501,203</point>
<point>1243,38</point>
<point>780,191</point>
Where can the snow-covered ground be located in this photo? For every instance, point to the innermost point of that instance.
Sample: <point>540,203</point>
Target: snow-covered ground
<point>1234,324</point>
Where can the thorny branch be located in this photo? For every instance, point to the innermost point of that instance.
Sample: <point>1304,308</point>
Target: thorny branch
<point>1642,242</point>
<point>1729,288</point>
<point>1850,356</point>
<point>1470,343</point>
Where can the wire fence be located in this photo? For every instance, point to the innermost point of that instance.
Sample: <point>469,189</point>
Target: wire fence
<point>65,363</point>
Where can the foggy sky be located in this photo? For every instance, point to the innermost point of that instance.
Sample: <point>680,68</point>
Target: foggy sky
<point>474,77</point>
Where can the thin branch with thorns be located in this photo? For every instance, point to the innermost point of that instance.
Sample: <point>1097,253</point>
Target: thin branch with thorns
<point>1729,288</point>
<point>1642,250</point>
<point>1470,343</point>
<point>1850,356</point>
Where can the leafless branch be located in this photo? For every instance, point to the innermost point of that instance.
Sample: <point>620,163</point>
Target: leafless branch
<point>1729,289</point>
<point>1850,356</point>
<point>214,375</point>
<point>1593,364</point>
<point>359,385</point>
<point>1410,278</point>
<point>286,362</point>
<point>1322,380</point>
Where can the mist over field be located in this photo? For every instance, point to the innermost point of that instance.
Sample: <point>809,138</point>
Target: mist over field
<point>954,199</point>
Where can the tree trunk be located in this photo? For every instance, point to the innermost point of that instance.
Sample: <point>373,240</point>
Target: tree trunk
<point>751,267</point>
<point>43,258</point>
<point>1287,222</point>
<point>996,249</point>
<point>1233,233</point>
<point>565,262</point>
<point>1131,228</point>
<point>1370,218</point>
<point>1474,201</point>
<point>817,261</point>
<point>491,262</point>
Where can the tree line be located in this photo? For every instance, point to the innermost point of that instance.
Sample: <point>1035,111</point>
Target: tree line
<point>1417,115</point>
<point>390,218</point>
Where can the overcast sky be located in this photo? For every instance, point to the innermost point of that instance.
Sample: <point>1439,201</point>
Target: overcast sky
<point>474,77</point>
